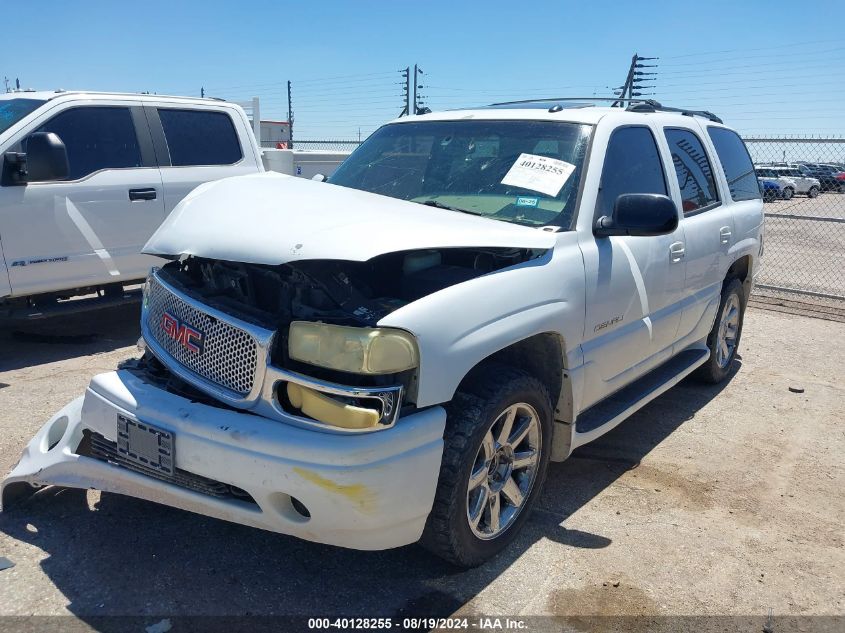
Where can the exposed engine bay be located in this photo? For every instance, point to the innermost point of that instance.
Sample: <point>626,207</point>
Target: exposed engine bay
<point>342,292</point>
<point>345,293</point>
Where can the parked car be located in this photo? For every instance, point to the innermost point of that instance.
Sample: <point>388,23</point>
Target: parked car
<point>97,173</point>
<point>397,354</point>
<point>787,185</point>
<point>825,174</point>
<point>792,179</point>
<point>771,189</point>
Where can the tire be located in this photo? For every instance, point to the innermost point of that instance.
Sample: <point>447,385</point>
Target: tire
<point>471,445</point>
<point>788,192</point>
<point>718,366</point>
<point>813,192</point>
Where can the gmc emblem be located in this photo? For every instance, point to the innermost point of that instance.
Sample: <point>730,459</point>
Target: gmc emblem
<point>188,337</point>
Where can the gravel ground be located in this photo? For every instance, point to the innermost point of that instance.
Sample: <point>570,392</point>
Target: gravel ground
<point>711,500</point>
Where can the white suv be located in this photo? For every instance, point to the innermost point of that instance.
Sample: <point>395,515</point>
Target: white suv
<point>791,179</point>
<point>398,354</point>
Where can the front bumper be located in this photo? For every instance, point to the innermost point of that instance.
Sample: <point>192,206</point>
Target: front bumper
<point>364,491</point>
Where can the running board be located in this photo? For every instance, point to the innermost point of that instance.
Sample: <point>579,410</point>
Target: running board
<point>609,413</point>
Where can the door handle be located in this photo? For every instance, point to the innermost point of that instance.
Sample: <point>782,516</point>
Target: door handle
<point>142,194</point>
<point>677,251</point>
<point>725,234</point>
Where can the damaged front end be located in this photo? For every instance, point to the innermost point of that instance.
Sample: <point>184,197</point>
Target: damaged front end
<point>242,364</point>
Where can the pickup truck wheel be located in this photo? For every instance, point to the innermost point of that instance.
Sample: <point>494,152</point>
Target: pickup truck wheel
<point>813,192</point>
<point>495,456</point>
<point>723,339</point>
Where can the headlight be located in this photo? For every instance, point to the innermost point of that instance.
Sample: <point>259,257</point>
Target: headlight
<point>356,350</point>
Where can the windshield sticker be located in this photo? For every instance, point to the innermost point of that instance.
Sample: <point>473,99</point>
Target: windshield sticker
<point>539,173</point>
<point>525,201</point>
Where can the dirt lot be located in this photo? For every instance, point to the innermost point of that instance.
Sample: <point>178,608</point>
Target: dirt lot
<point>711,500</point>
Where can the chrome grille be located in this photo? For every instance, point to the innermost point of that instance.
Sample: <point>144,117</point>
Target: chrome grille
<point>229,355</point>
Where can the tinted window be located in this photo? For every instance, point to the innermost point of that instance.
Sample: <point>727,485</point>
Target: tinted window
<point>198,137</point>
<point>13,110</point>
<point>736,163</point>
<point>632,165</point>
<point>96,138</point>
<point>692,167</point>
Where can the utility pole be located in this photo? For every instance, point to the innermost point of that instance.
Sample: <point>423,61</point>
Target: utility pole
<point>633,85</point>
<point>6,81</point>
<point>290,116</point>
<point>419,107</point>
<point>406,90</point>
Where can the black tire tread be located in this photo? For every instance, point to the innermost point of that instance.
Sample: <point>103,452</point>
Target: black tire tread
<point>465,413</point>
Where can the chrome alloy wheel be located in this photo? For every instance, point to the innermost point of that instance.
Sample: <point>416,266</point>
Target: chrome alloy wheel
<point>728,331</point>
<point>504,471</point>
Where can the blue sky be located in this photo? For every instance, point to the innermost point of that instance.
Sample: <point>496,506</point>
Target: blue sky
<point>766,67</point>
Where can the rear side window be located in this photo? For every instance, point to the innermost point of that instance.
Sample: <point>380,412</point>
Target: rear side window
<point>200,137</point>
<point>736,163</point>
<point>692,167</point>
<point>96,138</point>
<point>632,165</point>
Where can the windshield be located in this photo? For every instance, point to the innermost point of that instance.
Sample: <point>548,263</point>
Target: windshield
<point>526,172</point>
<point>13,110</point>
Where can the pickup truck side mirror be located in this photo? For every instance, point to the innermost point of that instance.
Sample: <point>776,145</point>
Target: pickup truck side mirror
<point>45,159</point>
<point>639,214</point>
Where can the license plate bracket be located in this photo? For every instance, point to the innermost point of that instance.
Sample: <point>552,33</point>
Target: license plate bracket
<point>145,445</point>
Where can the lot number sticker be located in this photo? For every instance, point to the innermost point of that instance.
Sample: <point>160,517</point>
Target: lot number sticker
<point>539,173</point>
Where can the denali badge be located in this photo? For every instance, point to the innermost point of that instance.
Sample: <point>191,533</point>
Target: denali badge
<point>187,336</point>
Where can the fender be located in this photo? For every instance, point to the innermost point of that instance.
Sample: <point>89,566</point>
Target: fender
<point>543,295</point>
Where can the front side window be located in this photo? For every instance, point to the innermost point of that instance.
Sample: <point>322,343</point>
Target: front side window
<point>96,138</point>
<point>736,164</point>
<point>13,110</point>
<point>632,165</point>
<point>692,167</point>
<point>525,172</point>
<point>200,137</point>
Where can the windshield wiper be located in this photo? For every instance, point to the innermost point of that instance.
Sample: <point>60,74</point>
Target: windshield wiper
<point>440,205</point>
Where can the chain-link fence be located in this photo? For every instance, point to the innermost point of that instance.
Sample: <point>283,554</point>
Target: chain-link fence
<point>805,216</point>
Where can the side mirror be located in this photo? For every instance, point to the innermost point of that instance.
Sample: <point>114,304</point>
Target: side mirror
<point>319,178</point>
<point>46,157</point>
<point>639,214</point>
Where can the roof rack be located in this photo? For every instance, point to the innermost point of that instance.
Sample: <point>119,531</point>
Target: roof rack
<point>650,105</point>
<point>634,105</point>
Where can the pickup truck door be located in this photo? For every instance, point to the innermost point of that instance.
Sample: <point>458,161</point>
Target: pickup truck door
<point>708,225</point>
<point>87,230</point>
<point>197,144</point>
<point>634,285</point>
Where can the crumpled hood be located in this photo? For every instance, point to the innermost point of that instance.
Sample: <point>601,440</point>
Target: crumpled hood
<point>273,219</point>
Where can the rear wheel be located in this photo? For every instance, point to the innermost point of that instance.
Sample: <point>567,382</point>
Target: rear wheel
<point>723,339</point>
<point>495,456</point>
<point>788,192</point>
<point>813,192</point>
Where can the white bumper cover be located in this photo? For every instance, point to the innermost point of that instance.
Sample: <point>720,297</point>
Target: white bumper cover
<point>364,491</point>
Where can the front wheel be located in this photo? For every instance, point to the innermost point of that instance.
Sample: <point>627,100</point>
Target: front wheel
<point>788,193</point>
<point>813,192</point>
<point>495,456</point>
<point>723,339</point>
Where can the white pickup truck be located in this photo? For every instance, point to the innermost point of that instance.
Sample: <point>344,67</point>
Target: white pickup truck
<point>398,354</point>
<point>88,177</point>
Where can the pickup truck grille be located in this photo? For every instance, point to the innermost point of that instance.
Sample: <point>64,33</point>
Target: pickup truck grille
<point>215,350</point>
